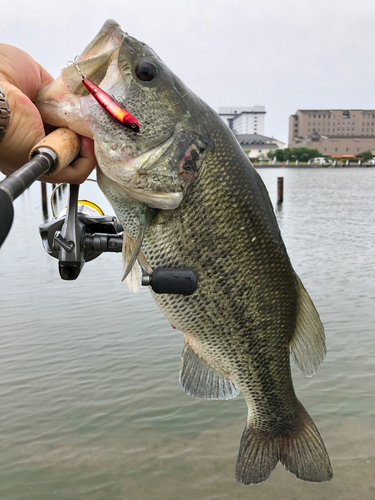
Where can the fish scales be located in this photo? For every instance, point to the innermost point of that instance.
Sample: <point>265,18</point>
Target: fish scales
<point>249,320</point>
<point>188,197</point>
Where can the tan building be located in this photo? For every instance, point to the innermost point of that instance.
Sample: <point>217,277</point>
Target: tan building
<point>333,131</point>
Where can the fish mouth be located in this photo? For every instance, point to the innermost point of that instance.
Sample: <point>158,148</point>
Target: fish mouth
<point>63,101</point>
<point>145,178</point>
<point>144,173</point>
<point>109,37</point>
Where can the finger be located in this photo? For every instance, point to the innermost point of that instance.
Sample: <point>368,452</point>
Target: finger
<point>20,69</point>
<point>45,77</point>
<point>78,171</point>
<point>20,77</point>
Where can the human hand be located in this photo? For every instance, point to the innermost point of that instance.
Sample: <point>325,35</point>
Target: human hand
<point>21,77</point>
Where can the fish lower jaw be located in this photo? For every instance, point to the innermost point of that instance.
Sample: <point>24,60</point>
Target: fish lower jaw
<point>122,184</point>
<point>163,201</point>
<point>131,182</point>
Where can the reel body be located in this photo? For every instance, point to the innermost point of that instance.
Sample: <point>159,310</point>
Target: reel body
<point>82,232</point>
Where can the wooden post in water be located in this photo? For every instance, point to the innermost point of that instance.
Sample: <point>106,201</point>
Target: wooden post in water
<point>280,190</point>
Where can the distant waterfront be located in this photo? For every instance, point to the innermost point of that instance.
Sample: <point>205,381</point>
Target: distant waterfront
<point>306,165</point>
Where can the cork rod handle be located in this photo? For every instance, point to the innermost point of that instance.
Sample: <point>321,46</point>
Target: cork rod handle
<point>65,143</point>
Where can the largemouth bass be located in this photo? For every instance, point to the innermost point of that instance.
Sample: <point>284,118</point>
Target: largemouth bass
<point>188,197</point>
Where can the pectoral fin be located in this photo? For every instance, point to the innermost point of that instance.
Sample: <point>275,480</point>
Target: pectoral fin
<point>307,346</point>
<point>132,276</point>
<point>200,380</point>
<point>131,249</point>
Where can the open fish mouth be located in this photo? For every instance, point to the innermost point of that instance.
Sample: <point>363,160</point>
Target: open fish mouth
<point>61,103</point>
<point>144,165</point>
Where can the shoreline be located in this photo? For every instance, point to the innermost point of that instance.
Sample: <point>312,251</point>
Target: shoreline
<point>306,165</point>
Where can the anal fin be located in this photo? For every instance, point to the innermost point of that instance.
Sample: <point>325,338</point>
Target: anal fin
<point>200,380</point>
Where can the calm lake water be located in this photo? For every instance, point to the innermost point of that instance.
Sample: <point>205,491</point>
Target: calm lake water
<point>91,407</point>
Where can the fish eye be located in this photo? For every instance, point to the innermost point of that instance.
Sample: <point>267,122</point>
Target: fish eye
<point>146,71</point>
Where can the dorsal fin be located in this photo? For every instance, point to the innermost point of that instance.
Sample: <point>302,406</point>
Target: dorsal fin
<point>200,380</point>
<point>307,346</point>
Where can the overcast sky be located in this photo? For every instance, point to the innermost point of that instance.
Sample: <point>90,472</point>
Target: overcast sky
<point>283,54</point>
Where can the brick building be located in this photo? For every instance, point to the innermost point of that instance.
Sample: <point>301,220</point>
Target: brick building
<point>333,131</point>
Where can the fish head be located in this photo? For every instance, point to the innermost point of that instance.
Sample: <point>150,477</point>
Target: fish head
<point>156,165</point>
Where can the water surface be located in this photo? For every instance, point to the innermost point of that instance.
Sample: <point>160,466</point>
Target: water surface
<point>91,407</point>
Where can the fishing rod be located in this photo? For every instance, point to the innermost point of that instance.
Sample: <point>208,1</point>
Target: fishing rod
<point>50,155</point>
<point>82,232</point>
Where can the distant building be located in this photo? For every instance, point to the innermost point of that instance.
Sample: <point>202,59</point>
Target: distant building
<point>248,120</point>
<point>247,124</point>
<point>257,145</point>
<point>333,131</point>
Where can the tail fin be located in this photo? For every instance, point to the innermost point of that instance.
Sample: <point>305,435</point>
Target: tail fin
<point>300,450</point>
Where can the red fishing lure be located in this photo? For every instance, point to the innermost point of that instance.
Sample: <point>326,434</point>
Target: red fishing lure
<point>109,103</point>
